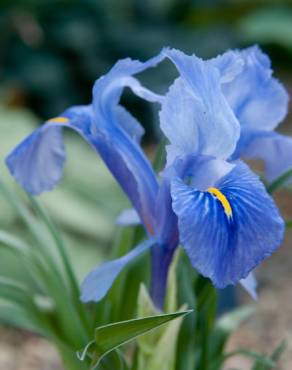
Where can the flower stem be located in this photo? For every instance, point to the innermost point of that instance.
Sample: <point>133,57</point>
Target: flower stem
<point>161,260</point>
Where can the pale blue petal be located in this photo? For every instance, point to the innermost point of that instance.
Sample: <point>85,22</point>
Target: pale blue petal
<point>128,217</point>
<point>118,145</point>
<point>250,285</point>
<point>274,149</point>
<point>129,123</point>
<point>195,116</point>
<point>37,162</point>
<point>259,101</point>
<point>230,64</point>
<point>98,282</point>
<point>227,248</point>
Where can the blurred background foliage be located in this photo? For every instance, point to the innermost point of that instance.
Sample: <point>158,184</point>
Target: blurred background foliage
<point>51,51</point>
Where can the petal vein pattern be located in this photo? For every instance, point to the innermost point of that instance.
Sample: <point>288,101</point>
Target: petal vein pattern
<point>223,248</point>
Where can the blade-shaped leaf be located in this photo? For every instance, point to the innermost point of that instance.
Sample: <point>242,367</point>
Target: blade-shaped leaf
<point>112,336</point>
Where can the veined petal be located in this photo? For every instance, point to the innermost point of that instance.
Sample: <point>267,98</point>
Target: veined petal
<point>259,101</point>
<point>274,149</point>
<point>98,282</point>
<point>227,230</point>
<point>230,64</point>
<point>195,115</point>
<point>119,135</point>
<point>37,162</point>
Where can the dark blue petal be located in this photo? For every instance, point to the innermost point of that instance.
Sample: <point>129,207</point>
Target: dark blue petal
<point>98,282</point>
<point>226,246</point>
<point>258,100</point>
<point>37,163</point>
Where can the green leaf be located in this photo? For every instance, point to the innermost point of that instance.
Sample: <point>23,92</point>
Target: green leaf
<point>13,242</point>
<point>226,325</point>
<point>274,358</point>
<point>289,224</point>
<point>146,342</point>
<point>231,321</point>
<point>19,317</point>
<point>268,25</point>
<point>261,359</point>
<point>279,350</point>
<point>112,336</point>
<point>164,355</point>
<point>279,182</point>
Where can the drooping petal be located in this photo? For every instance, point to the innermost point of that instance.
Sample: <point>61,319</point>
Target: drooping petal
<point>274,149</point>
<point>118,145</point>
<point>37,162</point>
<point>195,115</point>
<point>227,230</point>
<point>98,282</point>
<point>250,285</point>
<point>258,100</point>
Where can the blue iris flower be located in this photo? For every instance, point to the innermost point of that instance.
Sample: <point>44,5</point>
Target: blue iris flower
<point>216,207</point>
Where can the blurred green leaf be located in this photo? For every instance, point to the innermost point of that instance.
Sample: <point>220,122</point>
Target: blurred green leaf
<point>274,358</point>
<point>261,359</point>
<point>17,316</point>
<point>268,25</point>
<point>226,325</point>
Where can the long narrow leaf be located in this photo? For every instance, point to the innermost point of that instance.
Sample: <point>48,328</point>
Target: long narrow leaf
<point>112,336</point>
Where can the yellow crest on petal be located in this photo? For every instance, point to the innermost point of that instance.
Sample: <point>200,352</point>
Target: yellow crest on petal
<point>222,199</point>
<point>58,120</point>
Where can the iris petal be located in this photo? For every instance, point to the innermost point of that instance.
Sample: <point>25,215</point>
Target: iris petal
<point>98,282</point>
<point>250,285</point>
<point>37,162</point>
<point>226,248</point>
<point>128,217</point>
<point>195,115</point>
<point>259,101</point>
<point>117,139</point>
<point>274,149</point>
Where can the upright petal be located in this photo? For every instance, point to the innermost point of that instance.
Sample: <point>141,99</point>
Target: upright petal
<point>228,229</point>
<point>230,64</point>
<point>195,115</point>
<point>258,100</point>
<point>37,162</point>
